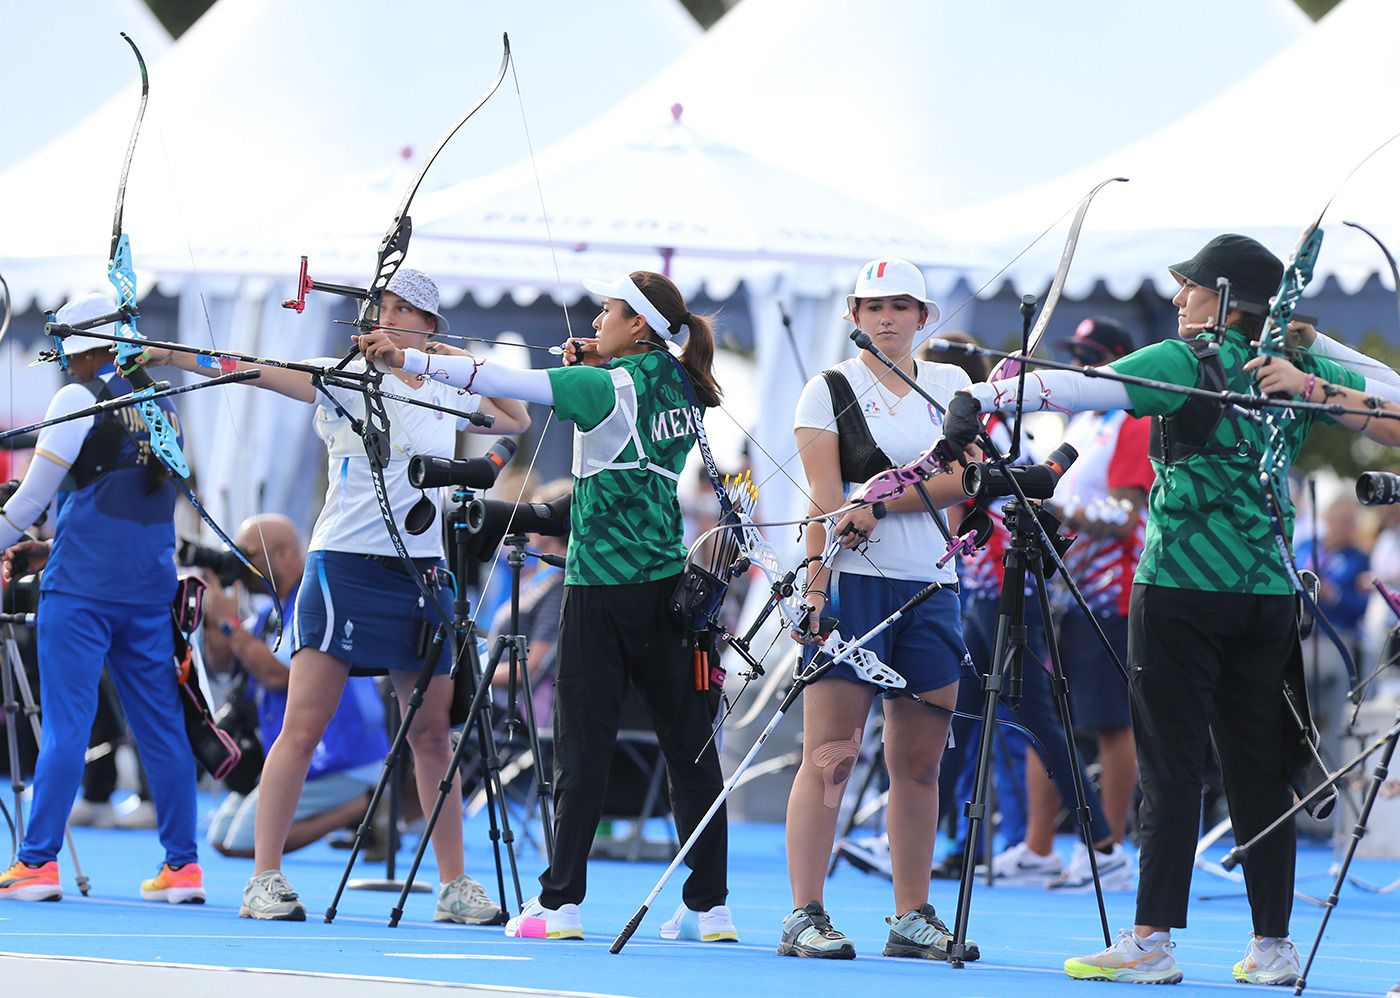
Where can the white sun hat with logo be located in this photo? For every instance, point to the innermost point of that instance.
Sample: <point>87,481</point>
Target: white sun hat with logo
<point>890,278</point>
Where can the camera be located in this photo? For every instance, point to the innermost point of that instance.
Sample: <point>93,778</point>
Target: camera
<point>473,472</point>
<point>1378,488</point>
<point>221,561</point>
<point>987,481</point>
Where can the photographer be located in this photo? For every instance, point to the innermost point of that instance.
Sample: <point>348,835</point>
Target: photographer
<point>105,595</point>
<point>347,761</point>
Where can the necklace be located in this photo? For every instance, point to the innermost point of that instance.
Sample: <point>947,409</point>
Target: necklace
<point>892,401</point>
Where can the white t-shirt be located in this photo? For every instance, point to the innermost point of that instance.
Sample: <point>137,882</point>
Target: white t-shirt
<point>905,545</point>
<point>350,520</point>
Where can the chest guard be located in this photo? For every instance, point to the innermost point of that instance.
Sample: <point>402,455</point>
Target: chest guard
<point>1189,432</point>
<point>861,457</point>
<point>103,449</point>
<point>600,448</point>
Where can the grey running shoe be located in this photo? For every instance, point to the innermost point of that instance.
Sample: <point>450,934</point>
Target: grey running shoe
<point>268,895</point>
<point>1272,962</point>
<point>808,932</point>
<point>922,934</point>
<point>464,900</point>
<point>1129,960</point>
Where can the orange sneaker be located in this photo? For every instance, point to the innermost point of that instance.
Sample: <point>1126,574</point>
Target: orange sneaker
<point>30,883</point>
<point>178,886</point>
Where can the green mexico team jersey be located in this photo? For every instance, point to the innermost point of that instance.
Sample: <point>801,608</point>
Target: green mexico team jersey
<point>1208,525</point>
<point>625,523</point>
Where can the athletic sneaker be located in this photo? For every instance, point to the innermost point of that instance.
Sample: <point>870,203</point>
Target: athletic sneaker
<point>713,926</point>
<point>1394,992</point>
<point>535,921</point>
<point>869,855</point>
<point>92,814</point>
<point>268,895</point>
<point>1129,960</point>
<point>1117,872</point>
<point>1272,961</point>
<point>922,934</point>
<point>808,932</point>
<point>23,882</point>
<point>464,900</point>
<point>1019,866</point>
<point>178,885</point>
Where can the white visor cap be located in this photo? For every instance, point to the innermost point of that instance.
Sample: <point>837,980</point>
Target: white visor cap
<point>624,289</point>
<point>889,279</point>
<point>81,309</point>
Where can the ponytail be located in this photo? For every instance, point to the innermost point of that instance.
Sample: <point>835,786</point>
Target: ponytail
<point>699,354</point>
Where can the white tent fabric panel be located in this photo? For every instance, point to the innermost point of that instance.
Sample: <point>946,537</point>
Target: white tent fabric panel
<point>1261,158</point>
<point>66,59</point>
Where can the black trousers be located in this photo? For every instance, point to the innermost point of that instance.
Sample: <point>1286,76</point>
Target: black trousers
<point>1205,663</point>
<point>611,636</point>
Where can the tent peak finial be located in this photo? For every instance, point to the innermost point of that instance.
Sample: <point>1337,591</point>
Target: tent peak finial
<point>677,110</point>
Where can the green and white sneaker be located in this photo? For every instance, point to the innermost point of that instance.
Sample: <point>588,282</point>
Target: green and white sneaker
<point>268,895</point>
<point>1129,960</point>
<point>921,934</point>
<point>1268,961</point>
<point>465,901</point>
<point>808,932</point>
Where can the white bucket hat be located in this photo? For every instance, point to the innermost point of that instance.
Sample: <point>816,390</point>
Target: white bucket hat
<point>420,291</point>
<point>888,279</point>
<point>625,289</point>
<point>81,309</point>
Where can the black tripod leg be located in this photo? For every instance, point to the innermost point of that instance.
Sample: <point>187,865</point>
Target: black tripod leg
<point>544,790</point>
<point>1378,777</point>
<point>1059,686</point>
<point>493,787</point>
<point>415,700</point>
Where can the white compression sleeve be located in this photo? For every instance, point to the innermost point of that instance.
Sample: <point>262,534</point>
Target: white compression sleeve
<point>54,453</point>
<point>32,497</point>
<point>1057,391</point>
<point>491,379</point>
<point>1381,380</point>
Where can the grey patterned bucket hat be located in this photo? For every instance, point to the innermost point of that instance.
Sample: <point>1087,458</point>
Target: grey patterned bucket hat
<point>418,289</point>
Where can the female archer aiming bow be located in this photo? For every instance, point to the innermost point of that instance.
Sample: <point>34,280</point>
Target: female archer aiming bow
<point>632,402</point>
<point>358,607</point>
<point>1212,617</point>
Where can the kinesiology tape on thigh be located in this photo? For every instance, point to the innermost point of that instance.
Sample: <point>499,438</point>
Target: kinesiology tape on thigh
<point>836,760</point>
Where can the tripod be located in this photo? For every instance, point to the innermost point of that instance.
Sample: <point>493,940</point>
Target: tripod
<point>14,679</point>
<point>1025,523</point>
<point>479,714</point>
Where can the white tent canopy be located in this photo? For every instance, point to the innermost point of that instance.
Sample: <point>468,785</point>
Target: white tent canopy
<point>66,59</point>
<point>1262,158</point>
<point>263,104</point>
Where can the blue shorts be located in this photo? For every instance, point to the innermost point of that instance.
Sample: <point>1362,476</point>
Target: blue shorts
<point>925,646</point>
<point>1096,688</point>
<point>365,613</point>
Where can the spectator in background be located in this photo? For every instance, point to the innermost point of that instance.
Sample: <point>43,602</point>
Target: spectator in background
<point>348,760</point>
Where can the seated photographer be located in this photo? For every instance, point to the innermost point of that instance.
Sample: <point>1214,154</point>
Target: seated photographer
<point>105,595</point>
<point>348,760</point>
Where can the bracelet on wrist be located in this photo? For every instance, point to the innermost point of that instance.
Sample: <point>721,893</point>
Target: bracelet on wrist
<point>1309,384</point>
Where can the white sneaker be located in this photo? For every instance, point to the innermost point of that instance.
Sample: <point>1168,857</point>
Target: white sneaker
<point>137,817</point>
<point>713,926</point>
<point>1020,867</point>
<point>1130,960</point>
<point>92,814</point>
<point>465,901</point>
<point>869,855</point>
<point>269,896</point>
<point>1268,961</point>
<point>1117,872</point>
<point>1394,992</point>
<point>536,921</point>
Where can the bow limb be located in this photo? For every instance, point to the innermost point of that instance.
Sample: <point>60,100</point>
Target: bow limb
<point>164,438</point>
<point>1389,259</point>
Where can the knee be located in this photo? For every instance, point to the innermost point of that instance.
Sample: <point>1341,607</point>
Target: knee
<point>429,740</point>
<point>919,771</point>
<point>298,741</point>
<point>833,762</point>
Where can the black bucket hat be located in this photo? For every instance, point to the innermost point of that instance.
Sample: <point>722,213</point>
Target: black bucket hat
<point>1254,272</point>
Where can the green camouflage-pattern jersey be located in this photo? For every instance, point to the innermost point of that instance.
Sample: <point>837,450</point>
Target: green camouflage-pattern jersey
<point>625,525</point>
<point>1208,524</point>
